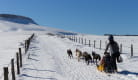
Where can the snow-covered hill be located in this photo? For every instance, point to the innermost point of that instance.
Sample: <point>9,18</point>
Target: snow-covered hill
<point>10,23</point>
<point>16,19</point>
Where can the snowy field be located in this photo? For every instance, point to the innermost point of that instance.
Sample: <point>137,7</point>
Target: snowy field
<point>48,60</point>
<point>47,56</point>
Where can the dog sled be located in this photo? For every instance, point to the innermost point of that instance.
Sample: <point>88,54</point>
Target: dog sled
<point>106,64</point>
<point>100,67</point>
<point>107,69</point>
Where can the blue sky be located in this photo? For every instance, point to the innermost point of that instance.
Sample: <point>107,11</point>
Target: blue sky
<point>84,16</point>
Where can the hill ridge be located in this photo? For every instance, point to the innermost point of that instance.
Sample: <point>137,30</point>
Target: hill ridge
<point>17,19</point>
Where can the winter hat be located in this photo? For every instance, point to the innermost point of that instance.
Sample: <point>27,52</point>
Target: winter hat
<point>111,37</point>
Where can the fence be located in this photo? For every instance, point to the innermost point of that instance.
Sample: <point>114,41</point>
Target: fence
<point>10,74</point>
<point>90,43</point>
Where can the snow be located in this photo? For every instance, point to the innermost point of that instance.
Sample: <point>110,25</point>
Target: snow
<point>47,57</point>
<point>51,62</point>
<point>6,26</point>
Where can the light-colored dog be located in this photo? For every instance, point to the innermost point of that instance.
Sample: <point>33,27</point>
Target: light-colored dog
<point>78,54</point>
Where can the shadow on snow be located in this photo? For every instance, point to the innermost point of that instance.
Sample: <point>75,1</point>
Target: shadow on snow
<point>38,70</point>
<point>125,72</point>
<point>25,75</point>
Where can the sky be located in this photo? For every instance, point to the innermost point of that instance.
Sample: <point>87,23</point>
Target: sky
<point>84,16</point>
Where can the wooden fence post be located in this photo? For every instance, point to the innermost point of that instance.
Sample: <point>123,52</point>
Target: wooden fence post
<point>85,41</point>
<point>131,50</point>
<point>120,48</point>
<point>94,43</point>
<point>18,67</point>
<point>6,73</point>
<point>89,43</point>
<point>28,43</point>
<point>79,39</point>
<point>25,46</point>
<point>100,44</point>
<point>12,69</point>
<point>82,40</point>
<point>32,36</point>
<point>74,38</point>
<point>20,54</point>
<point>70,37</point>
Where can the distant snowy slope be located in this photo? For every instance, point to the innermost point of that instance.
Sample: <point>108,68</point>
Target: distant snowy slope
<point>6,26</point>
<point>10,23</point>
<point>16,19</point>
<point>10,26</point>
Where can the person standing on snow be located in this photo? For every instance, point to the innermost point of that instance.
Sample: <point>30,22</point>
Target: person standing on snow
<point>114,51</point>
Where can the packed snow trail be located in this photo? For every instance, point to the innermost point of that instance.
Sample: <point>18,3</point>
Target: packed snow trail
<point>48,60</point>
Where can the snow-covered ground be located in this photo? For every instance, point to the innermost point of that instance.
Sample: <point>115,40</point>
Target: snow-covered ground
<point>47,56</point>
<point>48,60</point>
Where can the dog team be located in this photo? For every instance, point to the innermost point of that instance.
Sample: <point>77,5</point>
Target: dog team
<point>107,63</point>
<point>85,56</point>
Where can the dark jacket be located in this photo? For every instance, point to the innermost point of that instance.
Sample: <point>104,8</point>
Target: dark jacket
<point>114,48</point>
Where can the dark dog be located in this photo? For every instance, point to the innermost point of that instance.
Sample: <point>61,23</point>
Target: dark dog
<point>96,57</point>
<point>69,52</point>
<point>87,57</point>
